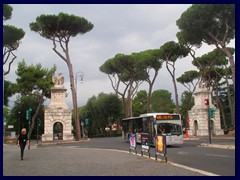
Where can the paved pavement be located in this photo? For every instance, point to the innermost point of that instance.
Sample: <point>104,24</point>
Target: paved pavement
<point>217,142</point>
<point>73,160</point>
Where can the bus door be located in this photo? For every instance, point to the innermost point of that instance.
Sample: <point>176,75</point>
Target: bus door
<point>148,127</point>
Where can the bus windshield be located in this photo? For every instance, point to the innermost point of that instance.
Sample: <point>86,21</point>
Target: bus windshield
<point>169,129</point>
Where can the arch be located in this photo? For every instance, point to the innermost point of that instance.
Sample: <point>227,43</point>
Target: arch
<point>195,127</point>
<point>57,131</point>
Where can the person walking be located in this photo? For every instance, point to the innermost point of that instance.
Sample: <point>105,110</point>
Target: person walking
<point>22,141</point>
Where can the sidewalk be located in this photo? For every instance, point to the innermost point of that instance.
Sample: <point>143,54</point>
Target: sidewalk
<point>56,142</point>
<point>222,142</point>
<point>77,161</point>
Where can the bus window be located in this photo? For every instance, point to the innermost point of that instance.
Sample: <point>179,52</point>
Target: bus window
<point>161,129</point>
<point>169,129</point>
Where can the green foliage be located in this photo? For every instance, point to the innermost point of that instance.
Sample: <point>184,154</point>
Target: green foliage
<point>213,65</point>
<point>213,58</point>
<point>18,112</point>
<point>8,91</point>
<point>6,113</point>
<point>206,23</point>
<point>161,101</point>
<point>223,95</point>
<point>187,79</point>
<point>148,59</point>
<point>7,12</point>
<point>187,102</point>
<point>188,76</point>
<point>12,36</point>
<point>102,111</point>
<point>34,78</point>
<point>61,26</point>
<point>11,39</point>
<point>171,51</point>
<point>140,103</point>
<point>126,67</point>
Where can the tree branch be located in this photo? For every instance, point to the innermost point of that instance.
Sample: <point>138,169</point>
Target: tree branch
<point>56,51</point>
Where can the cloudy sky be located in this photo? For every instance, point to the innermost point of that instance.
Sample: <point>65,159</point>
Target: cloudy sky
<point>118,28</point>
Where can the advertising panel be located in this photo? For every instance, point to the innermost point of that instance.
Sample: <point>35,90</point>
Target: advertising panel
<point>160,146</point>
<point>145,141</point>
<point>132,140</point>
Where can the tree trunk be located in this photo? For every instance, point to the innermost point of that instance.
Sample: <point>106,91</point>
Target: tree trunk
<point>231,104</point>
<point>33,119</point>
<point>74,99</point>
<point>150,91</point>
<point>221,111</point>
<point>230,57</point>
<point>176,95</point>
<point>174,83</point>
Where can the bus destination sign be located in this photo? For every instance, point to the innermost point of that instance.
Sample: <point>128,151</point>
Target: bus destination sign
<point>168,117</point>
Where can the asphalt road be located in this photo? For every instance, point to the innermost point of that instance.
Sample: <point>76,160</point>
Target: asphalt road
<point>191,154</point>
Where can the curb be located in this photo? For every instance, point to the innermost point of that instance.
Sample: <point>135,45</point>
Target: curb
<point>190,138</point>
<point>218,146</point>
<point>52,143</point>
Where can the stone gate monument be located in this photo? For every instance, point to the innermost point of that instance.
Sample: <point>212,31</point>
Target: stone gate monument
<point>57,117</point>
<point>198,115</point>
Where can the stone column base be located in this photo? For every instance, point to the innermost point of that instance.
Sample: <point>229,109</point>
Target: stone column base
<point>47,137</point>
<point>68,137</point>
<point>218,132</point>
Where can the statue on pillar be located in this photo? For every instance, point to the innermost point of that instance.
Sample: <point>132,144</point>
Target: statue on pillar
<point>58,80</point>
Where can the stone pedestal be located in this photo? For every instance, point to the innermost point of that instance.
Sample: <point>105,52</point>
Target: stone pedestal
<point>198,115</point>
<point>58,113</point>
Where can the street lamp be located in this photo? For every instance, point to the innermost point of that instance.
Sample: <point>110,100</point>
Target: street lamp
<point>81,75</point>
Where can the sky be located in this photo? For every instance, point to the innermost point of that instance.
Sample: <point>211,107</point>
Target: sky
<point>118,28</point>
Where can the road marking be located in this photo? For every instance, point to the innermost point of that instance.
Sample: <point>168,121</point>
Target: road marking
<point>195,170</point>
<point>217,155</point>
<point>183,153</point>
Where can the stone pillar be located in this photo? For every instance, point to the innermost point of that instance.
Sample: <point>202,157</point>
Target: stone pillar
<point>198,115</point>
<point>57,112</point>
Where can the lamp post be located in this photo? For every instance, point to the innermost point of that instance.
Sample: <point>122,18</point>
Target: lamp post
<point>81,75</point>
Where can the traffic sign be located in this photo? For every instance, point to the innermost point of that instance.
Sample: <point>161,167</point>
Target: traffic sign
<point>212,112</point>
<point>86,121</point>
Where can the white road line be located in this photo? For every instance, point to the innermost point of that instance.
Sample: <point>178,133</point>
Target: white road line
<point>217,155</point>
<point>183,153</point>
<point>195,170</point>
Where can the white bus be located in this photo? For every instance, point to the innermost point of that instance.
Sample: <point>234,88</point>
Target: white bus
<point>154,124</point>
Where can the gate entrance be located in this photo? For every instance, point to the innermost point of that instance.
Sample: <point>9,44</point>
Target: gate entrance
<point>195,128</point>
<point>57,131</point>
